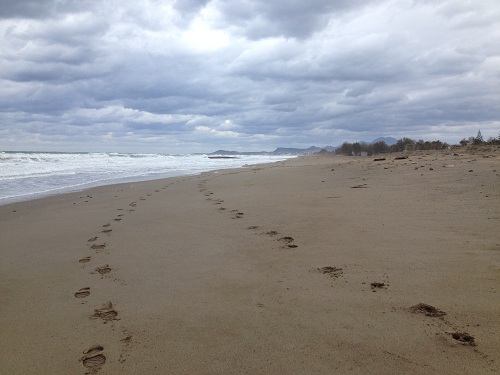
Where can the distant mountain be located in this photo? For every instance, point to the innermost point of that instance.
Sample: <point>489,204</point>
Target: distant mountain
<point>235,153</point>
<point>278,151</point>
<point>298,151</point>
<point>224,152</point>
<point>389,141</point>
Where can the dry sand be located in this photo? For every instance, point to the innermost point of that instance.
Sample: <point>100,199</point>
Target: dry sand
<point>315,265</point>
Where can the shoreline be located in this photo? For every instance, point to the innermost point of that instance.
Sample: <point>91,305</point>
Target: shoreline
<point>28,186</point>
<point>309,265</point>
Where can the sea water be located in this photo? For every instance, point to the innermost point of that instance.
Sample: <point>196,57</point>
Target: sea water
<point>31,175</point>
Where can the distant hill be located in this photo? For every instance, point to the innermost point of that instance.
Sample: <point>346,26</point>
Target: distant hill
<point>389,141</point>
<point>278,151</point>
<point>225,152</point>
<point>298,151</point>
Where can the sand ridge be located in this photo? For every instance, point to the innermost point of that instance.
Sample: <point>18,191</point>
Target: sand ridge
<point>313,265</point>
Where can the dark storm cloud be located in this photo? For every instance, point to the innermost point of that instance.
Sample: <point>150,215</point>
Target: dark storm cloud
<point>248,74</point>
<point>40,9</point>
<point>258,19</point>
<point>189,8</point>
<point>26,8</point>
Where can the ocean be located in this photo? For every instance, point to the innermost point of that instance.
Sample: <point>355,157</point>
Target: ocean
<point>30,175</point>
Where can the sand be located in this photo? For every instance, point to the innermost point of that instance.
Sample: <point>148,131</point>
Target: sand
<point>316,265</point>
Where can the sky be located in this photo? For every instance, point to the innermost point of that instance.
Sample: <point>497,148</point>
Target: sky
<point>187,76</point>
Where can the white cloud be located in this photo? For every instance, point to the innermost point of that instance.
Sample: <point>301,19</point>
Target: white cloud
<point>217,133</point>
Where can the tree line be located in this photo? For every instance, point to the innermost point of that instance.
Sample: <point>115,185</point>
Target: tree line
<point>406,144</point>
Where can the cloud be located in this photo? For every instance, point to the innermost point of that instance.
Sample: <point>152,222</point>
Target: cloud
<point>41,9</point>
<point>197,75</point>
<point>260,19</point>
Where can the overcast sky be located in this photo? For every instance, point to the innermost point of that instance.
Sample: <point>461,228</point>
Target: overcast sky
<point>198,75</point>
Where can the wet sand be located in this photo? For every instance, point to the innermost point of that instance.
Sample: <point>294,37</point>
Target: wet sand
<point>317,265</point>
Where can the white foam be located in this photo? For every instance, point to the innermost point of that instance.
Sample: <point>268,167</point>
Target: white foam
<point>28,175</point>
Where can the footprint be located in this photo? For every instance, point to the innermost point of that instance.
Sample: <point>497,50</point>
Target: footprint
<point>85,260</point>
<point>359,186</point>
<point>93,357</point>
<point>127,339</point>
<point>464,338</point>
<point>331,271</point>
<point>426,309</point>
<point>106,312</point>
<point>92,239</point>
<point>103,269</point>
<point>253,227</point>
<point>378,285</point>
<point>83,292</point>
<point>107,230</point>
<point>117,219</point>
<point>98,247</point>
<point>133,204</point>
<point>106,225</point>
<point>288,242</point>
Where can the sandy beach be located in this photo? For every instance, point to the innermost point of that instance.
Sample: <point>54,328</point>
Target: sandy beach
<point>315,265</point>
